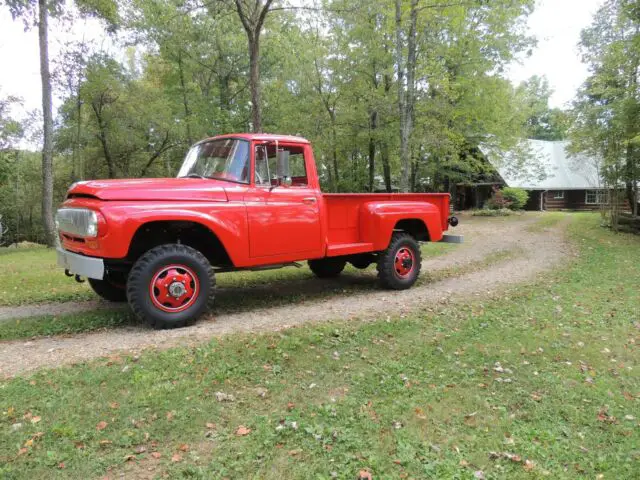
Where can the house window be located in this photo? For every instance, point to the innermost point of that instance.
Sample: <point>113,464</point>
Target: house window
<point>559,195</point>
<point>596,197</point>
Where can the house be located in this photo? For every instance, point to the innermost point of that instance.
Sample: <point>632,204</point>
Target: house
<point>562,182</point>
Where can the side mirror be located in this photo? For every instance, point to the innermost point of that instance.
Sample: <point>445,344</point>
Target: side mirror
<point>282,167</point>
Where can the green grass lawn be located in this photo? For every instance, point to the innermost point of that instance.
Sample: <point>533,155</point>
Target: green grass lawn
<point>539,382</point>
<point>30,275</point>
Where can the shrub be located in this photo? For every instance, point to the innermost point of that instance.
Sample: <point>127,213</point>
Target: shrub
<point>485,212</point>
<point>516,196</point>
<point>498,201</point>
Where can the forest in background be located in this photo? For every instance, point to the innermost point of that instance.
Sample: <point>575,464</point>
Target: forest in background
<point>395,95</point>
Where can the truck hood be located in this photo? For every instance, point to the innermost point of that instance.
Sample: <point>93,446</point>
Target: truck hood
<point>176,189</point>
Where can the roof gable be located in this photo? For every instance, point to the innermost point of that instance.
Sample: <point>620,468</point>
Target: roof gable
<point>560,171</point>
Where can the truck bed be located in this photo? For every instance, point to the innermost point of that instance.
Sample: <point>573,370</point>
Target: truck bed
<point>343,213</point>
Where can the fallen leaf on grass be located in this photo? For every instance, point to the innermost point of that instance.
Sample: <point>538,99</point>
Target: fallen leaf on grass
<point>61,465</point>
<point>101,425</point>
<point>603,416</point>
<point>22,451</point>
<point>176,457</point>
<point>184,447</point>
<point>114,405</point>
<point>365,475</point>
<point>128,458</point>
<point>140,449</point>
<point>528,465</point>
<point>156,455</point>
<point>242,431</point>
<point>291,406</point>
<point>210,425</point>
<point>36,419</point>
<point>170,416</point>
<point>295,452</point>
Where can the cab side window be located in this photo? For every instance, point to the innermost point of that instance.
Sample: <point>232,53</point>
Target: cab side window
<point>298,169</point>
<point>266,173</point>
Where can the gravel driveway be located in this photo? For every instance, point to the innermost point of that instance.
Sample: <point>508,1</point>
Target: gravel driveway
<point>537,251</point>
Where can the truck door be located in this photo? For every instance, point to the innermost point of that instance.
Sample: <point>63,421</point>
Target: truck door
<point>283,220</point>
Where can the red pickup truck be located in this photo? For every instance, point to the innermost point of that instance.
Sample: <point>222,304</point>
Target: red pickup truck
<point>240,202</point>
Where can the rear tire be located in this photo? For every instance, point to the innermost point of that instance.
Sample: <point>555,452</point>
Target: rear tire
<point>327,267</point>
<point>171,286</point>
<point>109,290</point>
<point>399,265</point>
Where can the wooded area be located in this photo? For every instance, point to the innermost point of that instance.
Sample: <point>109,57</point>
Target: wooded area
<point>395,95</point>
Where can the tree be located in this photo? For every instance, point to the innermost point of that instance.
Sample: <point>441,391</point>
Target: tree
<point>252,15</point>
<point>543,122</point>
<point>607,108</point>
<point>406,88</point>
<point>25,9</point>
<point>47,115</point>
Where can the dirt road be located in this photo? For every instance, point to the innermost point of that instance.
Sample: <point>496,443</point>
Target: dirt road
<point>512,252</point>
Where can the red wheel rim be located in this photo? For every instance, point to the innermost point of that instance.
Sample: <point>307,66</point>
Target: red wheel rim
<point>404,262</point>
<point>174,288</point>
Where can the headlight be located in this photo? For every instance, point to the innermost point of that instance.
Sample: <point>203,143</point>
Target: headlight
<point>80,222</point>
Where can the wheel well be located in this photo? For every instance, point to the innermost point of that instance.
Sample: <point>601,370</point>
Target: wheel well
<point>415,227</point>
<point>192,234</point>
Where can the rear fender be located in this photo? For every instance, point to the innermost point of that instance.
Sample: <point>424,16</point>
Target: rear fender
<point>379,219</point>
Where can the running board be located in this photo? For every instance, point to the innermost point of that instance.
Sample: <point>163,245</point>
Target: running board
<point>452,239</point>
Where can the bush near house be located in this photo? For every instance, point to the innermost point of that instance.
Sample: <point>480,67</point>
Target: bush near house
<point>508,198</point>
<point>517,196</point>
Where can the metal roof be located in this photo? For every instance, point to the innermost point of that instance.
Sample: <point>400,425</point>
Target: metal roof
<point>563,172</point>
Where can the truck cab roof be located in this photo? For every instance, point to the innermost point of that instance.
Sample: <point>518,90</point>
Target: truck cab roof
<point>260,137</point>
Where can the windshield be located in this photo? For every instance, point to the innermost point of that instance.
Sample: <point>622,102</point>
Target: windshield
<point>224,159</point>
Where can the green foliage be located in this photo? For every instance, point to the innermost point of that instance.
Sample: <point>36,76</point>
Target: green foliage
<point>542,122</point>
<point>517,197</point>
<point>607,109</point>
<point>497,201</point>
<point>327,74</point>
<point>424,396</point>
<point>489,212</point>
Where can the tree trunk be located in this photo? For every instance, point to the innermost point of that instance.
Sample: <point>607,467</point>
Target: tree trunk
<point>77,173</point>
<point>254,82</point>
<point>252,18</point>
<point>406,96</point>
<point>47,114</point>
<point>185,102</point>
<point>102,137</point>
<point>386,167</point>
<point>373,124</point>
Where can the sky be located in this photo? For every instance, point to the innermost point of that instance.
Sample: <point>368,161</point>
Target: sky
<point>555,23</point>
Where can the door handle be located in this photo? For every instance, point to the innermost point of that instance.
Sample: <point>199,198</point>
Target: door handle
<point>309,200</point>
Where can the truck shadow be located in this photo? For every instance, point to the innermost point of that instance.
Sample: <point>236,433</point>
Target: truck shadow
<point>234,299</point>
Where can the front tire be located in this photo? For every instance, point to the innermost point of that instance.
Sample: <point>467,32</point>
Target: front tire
<point>327,267</point>
<point>399,265</point>
<point>109,290</point>
<point>171,286</point>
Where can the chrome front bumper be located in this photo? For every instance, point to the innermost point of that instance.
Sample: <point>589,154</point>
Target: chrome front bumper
<point>80,265</point>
